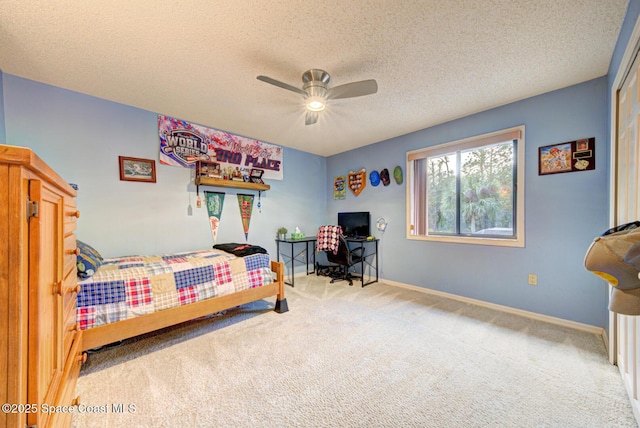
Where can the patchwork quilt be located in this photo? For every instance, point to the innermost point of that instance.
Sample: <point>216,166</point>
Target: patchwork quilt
<point>136,285</point>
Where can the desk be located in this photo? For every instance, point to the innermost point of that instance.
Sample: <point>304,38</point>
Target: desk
<point>292,256</point>
<point>369,259</point>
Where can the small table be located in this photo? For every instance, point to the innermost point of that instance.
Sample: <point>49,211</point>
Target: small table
<point>310,247</point>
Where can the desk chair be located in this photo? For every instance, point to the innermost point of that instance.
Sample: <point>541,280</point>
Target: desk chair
<point>345,259</point>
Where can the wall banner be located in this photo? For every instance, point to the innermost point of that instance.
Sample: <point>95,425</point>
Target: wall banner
<point>339,188</point>
<point>245,203</point>
<point>215,202</point>
<point>183,143</point>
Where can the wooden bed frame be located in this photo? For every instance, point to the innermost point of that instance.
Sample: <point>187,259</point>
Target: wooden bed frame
<point>124,329</point>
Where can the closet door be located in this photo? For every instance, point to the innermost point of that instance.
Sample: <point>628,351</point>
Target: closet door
<point>627,209</point>
<point>46,360</point>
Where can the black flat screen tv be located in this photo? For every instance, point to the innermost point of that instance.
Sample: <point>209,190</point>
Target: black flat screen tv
<point>355,224</point>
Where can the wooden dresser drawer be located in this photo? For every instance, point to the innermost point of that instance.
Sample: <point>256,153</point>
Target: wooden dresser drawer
<point>71,215</point>
<point>69,256</point>
<point>66,394</point>
<point>69,324</point>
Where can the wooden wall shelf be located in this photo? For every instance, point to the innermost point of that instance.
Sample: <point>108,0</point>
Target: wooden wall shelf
<point>215,182</point>
<point>206,169</point>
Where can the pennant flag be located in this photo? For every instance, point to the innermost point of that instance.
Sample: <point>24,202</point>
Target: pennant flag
<point>245,202</point>
<point>215,200</point>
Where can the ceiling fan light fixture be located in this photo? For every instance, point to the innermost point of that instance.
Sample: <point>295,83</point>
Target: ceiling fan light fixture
<point>316,98</point>
<point>316,103</point>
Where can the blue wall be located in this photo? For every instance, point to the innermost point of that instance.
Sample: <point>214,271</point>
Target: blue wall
<point>563,212</point>
<point>81,138</point>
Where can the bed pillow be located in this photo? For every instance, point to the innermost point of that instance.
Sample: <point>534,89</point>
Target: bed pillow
<point>88,260</point>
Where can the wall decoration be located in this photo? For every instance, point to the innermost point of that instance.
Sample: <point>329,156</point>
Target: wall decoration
<point>183,143</point>
<point>397,174</point>
<point>579,155</point>
<point>137,169</point>
<point>384,176</point>
<point>215,202</point>
<point>245,202</point>
<point>339,187</point>
<point>357,181</point>
<point>381,224</point>
<point>374,178</point>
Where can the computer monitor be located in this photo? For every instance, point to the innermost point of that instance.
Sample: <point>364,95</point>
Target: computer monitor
<point>355,224</point>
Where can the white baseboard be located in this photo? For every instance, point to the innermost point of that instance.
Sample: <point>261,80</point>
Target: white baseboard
<point>532,315</point>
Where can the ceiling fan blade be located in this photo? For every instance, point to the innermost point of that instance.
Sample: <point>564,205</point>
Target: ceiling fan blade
<point>355,89</point>
<point>281,84</point>
<point>311,117</point>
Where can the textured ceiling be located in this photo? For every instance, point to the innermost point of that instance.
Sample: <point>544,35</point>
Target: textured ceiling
<point>434,60</point>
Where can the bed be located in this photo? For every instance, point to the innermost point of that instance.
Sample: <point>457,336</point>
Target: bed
<point>119,298</point>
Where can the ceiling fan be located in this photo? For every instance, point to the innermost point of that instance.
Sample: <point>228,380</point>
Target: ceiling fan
<point>316,91</point>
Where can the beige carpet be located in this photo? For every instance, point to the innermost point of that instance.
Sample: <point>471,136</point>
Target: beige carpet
<point>379,356</point>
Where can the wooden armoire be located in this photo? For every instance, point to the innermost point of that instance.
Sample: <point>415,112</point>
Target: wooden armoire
<point>40,343</point>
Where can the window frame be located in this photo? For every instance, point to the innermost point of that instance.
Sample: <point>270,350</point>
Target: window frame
<point>515,133</point>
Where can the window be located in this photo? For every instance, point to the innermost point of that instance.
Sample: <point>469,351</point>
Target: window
<point>468,191</point>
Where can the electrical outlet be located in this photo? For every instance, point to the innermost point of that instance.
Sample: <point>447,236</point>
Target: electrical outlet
<point>533,279</point>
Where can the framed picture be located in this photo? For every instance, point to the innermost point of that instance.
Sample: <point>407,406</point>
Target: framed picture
<point>571,156</point>
<point>136,169</point>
